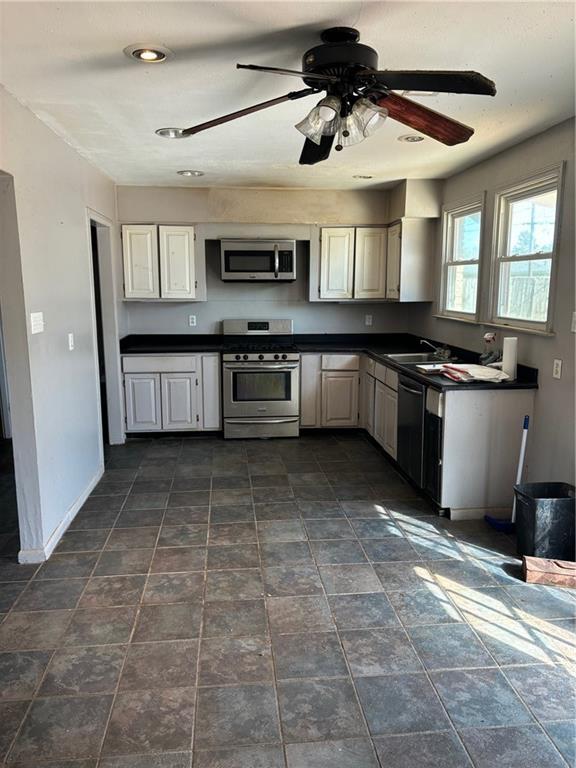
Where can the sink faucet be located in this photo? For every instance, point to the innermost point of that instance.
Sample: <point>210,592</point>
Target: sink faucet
<point>444,353</point>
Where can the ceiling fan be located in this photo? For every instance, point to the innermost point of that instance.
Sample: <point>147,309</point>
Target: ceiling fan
<point>359,97</point>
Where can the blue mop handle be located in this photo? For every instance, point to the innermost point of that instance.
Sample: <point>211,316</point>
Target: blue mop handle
<point>521,461</point>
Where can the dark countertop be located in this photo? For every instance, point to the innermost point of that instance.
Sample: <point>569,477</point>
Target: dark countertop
<point>376,345</point>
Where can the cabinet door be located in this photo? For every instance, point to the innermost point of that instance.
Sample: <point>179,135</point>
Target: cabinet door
<point>393,262</point>
<point>177,278</point>
<point>180,401</point>
<point>340,398</point>
<point>370,264</point>
<point>367,403</point>
<point>390,421</point>
<point>337,263</point>
<point>379,410</point>
<point>142,393</point>
<point>310,390</point>
<point>210,411</point>
<point>140,255</point>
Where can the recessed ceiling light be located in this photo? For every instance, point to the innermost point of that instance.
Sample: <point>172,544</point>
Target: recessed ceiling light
<point>171,133</point>
<point>360,176</point>
<point>411,138</point>
<point>190,173</point>
<point>148,54</point>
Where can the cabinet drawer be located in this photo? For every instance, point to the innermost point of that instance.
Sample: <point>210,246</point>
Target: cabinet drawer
<point>340,362</point>
<point>380,372</point>
<point>367,365</point>
<point>159,363</point>
<point>391,379</point>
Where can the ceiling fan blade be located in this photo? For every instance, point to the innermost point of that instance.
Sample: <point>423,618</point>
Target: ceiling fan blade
<point>293,72</point>
<point>428,80</point>
<point>314,153</point>
<point>424,120</point>
<point>248,111</point>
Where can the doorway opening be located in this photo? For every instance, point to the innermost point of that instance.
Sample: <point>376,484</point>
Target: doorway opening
<point>94,238</point>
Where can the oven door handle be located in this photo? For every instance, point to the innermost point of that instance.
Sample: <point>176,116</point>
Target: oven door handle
<point>263,421</point>
<point>240,367</point>
<point>276,260</point>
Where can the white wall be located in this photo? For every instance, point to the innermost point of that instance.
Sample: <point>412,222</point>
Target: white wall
<point>551,442</point>
<point>54,397</point>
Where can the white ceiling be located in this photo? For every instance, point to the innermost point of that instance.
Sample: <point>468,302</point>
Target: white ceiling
<point>65,62</point>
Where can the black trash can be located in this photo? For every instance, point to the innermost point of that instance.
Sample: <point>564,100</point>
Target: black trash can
<point>545,520</point>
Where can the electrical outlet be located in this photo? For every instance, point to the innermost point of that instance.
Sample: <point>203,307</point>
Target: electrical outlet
<point>192,321</point>
<point>70,341</point>
<point>557,369</point>
<point>368,320</point>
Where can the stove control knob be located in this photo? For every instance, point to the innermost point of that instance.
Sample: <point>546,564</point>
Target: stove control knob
<point>284,357</point>
<point>276,357</point>
<point>260,357</point>
<point>238,357</point>
<point>245,357</point>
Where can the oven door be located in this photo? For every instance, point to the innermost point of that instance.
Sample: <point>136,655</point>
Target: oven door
<point>260,390</point>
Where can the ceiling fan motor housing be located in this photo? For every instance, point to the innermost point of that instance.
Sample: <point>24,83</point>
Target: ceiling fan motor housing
<point>341,53</point>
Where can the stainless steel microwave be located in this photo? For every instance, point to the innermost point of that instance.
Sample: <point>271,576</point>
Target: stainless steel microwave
<point>258,259</point>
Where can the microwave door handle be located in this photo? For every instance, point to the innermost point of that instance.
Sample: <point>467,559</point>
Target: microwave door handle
<point>276,260</point>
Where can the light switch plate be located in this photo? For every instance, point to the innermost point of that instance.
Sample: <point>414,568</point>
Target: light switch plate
<point>36,322</point>
<point>557,369</point>
<point>70,341</point>
<point>573,326</point>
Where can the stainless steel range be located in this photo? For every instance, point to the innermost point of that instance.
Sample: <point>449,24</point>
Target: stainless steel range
<point>260,379</point>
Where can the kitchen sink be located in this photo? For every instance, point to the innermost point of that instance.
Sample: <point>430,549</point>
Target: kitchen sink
<point>417,357</point>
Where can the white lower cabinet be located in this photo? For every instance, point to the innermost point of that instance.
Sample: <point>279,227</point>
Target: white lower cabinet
<point>386,417</point>
<point>310,390</point>
<point>367,391</point>
<point>180,401</point>
<point>340,398</point>
<point>143,407</point>
<point>390,421</point>
<point>172,392</point>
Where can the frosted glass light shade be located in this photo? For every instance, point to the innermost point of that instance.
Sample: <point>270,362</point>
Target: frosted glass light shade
<point>370,116</point>
<point>323,120</point>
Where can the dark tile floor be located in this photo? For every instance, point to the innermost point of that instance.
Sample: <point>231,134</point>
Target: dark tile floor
<point>279,604</point>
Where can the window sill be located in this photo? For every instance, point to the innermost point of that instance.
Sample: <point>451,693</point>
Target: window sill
<point>501,326</point>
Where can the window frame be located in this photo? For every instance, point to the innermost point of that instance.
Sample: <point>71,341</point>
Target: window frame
<point>449,214</point>
<point>539,183</point>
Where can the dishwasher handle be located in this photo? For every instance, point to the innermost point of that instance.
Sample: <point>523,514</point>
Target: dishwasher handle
<point>408,389</point>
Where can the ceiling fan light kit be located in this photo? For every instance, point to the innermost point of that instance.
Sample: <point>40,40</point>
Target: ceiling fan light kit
<point>359,97</point>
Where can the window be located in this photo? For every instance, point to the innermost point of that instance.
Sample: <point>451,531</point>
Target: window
<point>525,238</point>
<point>461,260</point>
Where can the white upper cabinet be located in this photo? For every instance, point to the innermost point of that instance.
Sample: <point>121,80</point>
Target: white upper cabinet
<point>393,262</point>
<point>140,251</point>
<point>370,264</point>
<point>177,279</point>
<point>410,260</point>
<point>337,263</point>
<point>159,262</point>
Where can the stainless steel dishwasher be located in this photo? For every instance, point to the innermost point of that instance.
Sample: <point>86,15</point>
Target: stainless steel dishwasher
<point>411,407</point>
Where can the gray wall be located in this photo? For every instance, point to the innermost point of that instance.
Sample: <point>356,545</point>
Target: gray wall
<point>263,300</point>
<point>551,442</point>
<point>54,394</point>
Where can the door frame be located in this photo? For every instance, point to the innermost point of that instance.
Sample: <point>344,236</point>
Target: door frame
<point>108,246</point>
<point>5,422</point>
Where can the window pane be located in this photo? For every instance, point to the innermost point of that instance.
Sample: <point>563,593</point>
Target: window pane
<point>461,288</point>
<point>531,224</point>
<point>524,288</point>
<point>466,243</point>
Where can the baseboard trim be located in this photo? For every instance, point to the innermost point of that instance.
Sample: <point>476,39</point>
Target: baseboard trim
<point>42,554</point>
<point>502,513</point>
